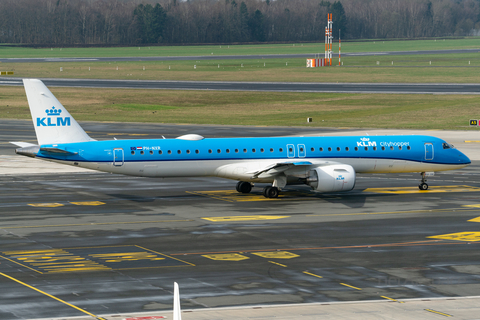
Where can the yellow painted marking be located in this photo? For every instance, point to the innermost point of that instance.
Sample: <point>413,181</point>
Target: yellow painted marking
<point>95,224</point>
<point>461,236</point>
<point>472,141</point>
<point>21,264</point>
<point>88,203</point>
<point>434,189</point>
<point>347,285</point>
<point>243,218</point>
<point>53,297</point>
<point>312,274</point>
<point>278,264</point>
<point>384,297</point>
<point>226,257</point>
<point>440,313</point>
<point>55,260</point>
<point>46,205</point>
<point>472,205</point>
<point>127,134</point>
<point>126,256</point>
<point>234,196</point>
<point>477,219</point>
<point>276,255</point>
<point>162,254</point>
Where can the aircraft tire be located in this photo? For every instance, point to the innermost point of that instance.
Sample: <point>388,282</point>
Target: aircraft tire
<point>244,187</point>
<point>270,192</point>
<point>423,186</point>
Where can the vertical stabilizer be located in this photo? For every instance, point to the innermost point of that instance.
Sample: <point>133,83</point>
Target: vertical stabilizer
<point>53,124</point>
<point>177,313</point>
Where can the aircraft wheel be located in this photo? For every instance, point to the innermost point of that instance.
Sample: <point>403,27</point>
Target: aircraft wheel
<point>423,186</point>
<point>271,192</point>
<point>244,187</point>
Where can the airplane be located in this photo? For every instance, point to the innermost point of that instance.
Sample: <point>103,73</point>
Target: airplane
<point>326,164</point>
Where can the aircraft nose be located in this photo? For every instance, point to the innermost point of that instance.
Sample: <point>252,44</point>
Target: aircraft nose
<point>464,159</point>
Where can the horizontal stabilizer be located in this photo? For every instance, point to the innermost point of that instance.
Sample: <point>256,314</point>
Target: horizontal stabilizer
<point>23,144</point>
<point>58,151</point>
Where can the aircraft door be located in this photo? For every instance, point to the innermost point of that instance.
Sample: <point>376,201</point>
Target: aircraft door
<point>118,157</point>
<point>428,151</point>
<point>301,150</point>
<point>290,151</point>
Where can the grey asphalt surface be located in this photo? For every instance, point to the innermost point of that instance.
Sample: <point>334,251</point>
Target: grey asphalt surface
<point>410,88</point>
<point>230,57</point>
<point>137,235</point>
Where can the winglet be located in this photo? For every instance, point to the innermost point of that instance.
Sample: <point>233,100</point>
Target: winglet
<point>53,124</point>
<point>177,313</point>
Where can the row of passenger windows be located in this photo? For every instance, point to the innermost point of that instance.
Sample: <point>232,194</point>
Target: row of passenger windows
<point>290,150</point>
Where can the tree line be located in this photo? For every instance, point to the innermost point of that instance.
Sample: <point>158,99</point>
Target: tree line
<point>131,22</point>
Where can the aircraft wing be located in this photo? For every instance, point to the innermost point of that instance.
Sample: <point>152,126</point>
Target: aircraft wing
<point>279,167</point>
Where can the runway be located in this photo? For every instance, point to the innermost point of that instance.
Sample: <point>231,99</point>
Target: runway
<point>232,57</point>
<point>112,245</point>
<point>399,88</point>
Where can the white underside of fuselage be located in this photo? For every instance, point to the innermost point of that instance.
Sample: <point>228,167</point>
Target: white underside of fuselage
<point>242,169</point>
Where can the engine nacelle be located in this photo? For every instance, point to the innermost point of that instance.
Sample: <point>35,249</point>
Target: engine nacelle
<point>332,178</point>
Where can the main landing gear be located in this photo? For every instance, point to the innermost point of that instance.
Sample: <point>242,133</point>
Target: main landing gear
<point>268,191</point>
<point>423,185</point>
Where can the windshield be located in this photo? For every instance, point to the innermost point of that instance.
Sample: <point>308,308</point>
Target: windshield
<point>447,146</point>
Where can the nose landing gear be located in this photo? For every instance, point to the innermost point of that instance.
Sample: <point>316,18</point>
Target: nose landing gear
<point>423,185</point>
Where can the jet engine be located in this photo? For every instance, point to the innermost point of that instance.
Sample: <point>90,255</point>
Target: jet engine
<point>332,178</point>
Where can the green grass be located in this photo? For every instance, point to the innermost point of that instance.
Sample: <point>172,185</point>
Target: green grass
<point>257,108</point>
<point>405,69</point>
<point>215,50</point>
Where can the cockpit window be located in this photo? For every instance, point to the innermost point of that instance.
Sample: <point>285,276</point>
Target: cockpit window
<point>447,146</point>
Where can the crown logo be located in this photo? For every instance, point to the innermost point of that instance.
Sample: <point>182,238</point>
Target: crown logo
<point>53,112</point>
<point>365,139</point>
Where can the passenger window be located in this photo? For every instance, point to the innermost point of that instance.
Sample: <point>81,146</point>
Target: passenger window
<point>329,149</point>
<point>366,148</point>
<point>209,150</point>
<point>160,151</point>
<point>399,147</point>
<point>236,150</point>
<point>141,152</point>
<point>261,150</point>
<point>408,148</point>
<point>178,151</point>
<point>338,148</point>
<point>244,150</point>
<point>356,148</point>
<point>271,149</point>
<point>321,149</point>
<point>383,148</point>
<point>301,149</point>
<point>374,148</point>
<point>290,150</point>
<point>196,151</point>
<point>281,149</point>
<point>391,148</point>
<point>133,152</point>
<point>253,150</point>
<point>188,151</point>
<point>151,152</point>
<point>312,149</point>
<point>346,149</point>
<point>228,150</point>
<point>219,151</point>
<point>169,151</point>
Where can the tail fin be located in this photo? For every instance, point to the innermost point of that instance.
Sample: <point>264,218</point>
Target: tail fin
<point>53,124</point>
<point>177,312</point>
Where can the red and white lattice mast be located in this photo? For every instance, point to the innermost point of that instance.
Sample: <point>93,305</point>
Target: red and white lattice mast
<point>329,40</point>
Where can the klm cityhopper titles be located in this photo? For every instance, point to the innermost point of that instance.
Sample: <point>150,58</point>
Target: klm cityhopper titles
<point>326,164</point>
